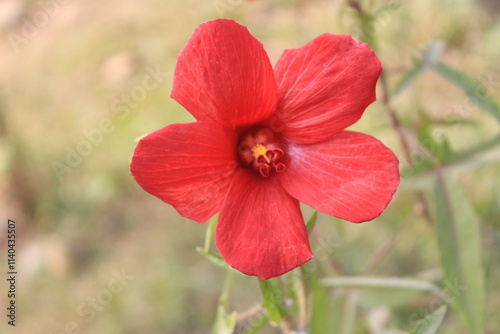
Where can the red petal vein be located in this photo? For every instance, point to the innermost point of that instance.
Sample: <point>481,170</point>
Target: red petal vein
<point>260,230</point>
<point>352,176</point>
<point>188,166</point>
<point>324,87</point>
<point>224,75</point>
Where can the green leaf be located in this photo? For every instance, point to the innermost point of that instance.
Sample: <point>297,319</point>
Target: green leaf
<point>272,300</point>
<point>311,222</point>
<point>489,147</point>
<point>431,323</point>
<point>429,57</point>
<point>458,237</point>
<point>421,176</point>
<point>439,149</point>
<point>412,75</point>
<point>476,92</point>
<point>382,282</point>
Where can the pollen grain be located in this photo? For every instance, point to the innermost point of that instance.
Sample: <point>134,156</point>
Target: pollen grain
<point>260,150</point>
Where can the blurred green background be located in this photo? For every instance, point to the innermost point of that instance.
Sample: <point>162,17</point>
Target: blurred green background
<point>73,103</point>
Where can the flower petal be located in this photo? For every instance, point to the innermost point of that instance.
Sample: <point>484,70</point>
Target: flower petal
<point>351,176</point>
<point>324,87</point>
<point>188,166</point>
<point>224,75</point>
<point>260,230</point>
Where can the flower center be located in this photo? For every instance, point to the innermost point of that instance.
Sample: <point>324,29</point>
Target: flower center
<point>262,152</point>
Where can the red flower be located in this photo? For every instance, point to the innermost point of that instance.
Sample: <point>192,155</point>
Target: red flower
<point>265,140</point>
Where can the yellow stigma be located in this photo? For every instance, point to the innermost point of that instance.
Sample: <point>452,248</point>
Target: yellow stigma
<point>259,150</point>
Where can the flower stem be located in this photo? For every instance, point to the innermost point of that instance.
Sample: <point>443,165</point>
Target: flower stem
<point>285,323</point>
<point>210,233</point>
<point>226,292</point>
<point>257,309</point>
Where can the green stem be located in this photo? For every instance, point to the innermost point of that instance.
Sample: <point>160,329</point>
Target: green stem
<point>226,292</point>
<point>382,282</point>
<point>474,150</point>
<point>464,155</point>
<point>210,233</point>
<point>285,323</point>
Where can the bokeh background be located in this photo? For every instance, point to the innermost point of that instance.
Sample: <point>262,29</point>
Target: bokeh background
<point>73,103</point>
